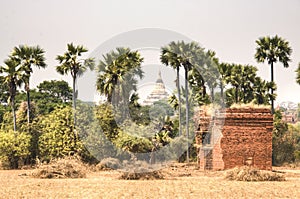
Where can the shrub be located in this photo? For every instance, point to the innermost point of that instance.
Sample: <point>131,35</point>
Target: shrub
<point>252,174</point>
<point>106,118</point>
<point>58,135</point>
<point>134,144</point>
<point>14,147</point>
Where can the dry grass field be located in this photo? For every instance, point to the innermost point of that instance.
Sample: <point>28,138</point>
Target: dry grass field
<point>180,182</point>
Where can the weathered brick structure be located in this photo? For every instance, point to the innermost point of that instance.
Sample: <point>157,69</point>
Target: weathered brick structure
<point>235,137</point>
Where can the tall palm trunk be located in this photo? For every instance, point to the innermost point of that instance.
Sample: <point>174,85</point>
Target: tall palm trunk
<point>222,93</point>
<point>28,102</point>
<point>14,113</point>
<point>74,100</point>
<point>74,110</point>
<point>272,91</point>
<point>179,101</point>
<point>187,113</point>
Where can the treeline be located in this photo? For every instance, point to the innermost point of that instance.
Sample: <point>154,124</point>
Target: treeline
<point>49,122</point>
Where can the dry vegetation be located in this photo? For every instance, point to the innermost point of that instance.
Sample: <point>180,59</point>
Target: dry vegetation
<point>252,175</point>
<point>61,168</point>
<point>180,181</point>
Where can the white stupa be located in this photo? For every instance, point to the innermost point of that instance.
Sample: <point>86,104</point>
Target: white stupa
<point>158,93</point>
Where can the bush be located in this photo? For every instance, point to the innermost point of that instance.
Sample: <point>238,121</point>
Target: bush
<point>251,174</point>
<point>134,144</point>
<point>68,167</point>
<point>58,135</point>
<point>106,119</point>
<point>14,148</point>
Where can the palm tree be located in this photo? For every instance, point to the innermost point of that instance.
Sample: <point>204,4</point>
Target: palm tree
<point>235,80</point>
<point>13,79</point>
<point>273,49</point>
<point>198,85</point>
<point>187,54</point>
<point>261,90</point>
<point>241,78</point>
<point>28,56</point>
<point>225,72</point>
<point>298,74</point>
<point>117,74</point>
<point>169,57</point>
<point>211,72</point>
<point>70,63</point>
<point>248,76</point>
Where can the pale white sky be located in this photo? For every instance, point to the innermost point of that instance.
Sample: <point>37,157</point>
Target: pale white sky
<point>228,27</point>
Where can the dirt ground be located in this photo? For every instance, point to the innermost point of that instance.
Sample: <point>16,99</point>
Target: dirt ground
<point>180,181</point>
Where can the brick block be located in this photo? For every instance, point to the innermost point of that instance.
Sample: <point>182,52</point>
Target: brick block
<point>240,136</point>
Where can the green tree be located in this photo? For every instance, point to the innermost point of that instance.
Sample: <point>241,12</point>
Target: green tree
<point>49,95</point>
<point>70,62</point>
<point>55,89</point>
<point>117,74</point>
<point>273,49</point>
<point>12,76</point>
<point>28,56</point>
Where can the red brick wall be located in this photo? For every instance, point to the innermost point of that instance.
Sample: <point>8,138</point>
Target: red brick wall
<point>239,137</point>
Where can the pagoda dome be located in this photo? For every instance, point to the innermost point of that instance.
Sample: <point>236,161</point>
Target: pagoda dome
<point>158,93</point>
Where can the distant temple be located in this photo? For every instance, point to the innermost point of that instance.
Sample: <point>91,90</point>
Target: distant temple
<point>158,93</point>
<point>289,111</point>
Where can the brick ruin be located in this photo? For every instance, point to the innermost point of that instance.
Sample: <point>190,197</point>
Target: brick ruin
<point>233,138</point>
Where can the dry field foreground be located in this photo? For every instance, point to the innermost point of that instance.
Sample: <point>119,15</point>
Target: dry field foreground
<point>180,182</point>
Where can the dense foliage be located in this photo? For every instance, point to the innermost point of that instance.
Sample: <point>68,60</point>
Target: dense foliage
<point>14,148</point>
<point>58,135</point>
<point>286,139</point>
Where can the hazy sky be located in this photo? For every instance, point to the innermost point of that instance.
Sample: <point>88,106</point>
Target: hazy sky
<point>228,27</point>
